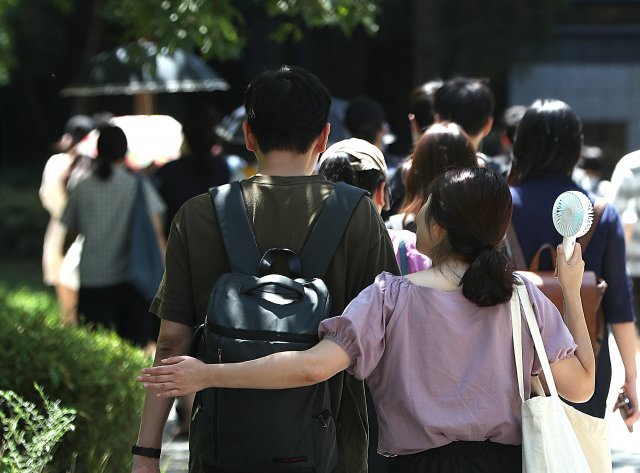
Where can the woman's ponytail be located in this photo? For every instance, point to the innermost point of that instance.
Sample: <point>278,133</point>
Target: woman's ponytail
<point>474,207</point>
<point>489,279</point>
<point>112,147</point>
<point>103,168</point>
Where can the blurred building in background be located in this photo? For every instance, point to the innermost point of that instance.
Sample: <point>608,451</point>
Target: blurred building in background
<point>593,65</point>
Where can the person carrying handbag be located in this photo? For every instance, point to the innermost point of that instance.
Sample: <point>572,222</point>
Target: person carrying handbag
<point>548,144</point>
<point>99,208</point>
<point>435,347</point>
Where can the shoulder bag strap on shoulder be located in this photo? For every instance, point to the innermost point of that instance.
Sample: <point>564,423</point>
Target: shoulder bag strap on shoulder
<point>138,195</point>
<point>516,250</point>
<point>239,240</point>
<point>139,190</point>
<point>534,330</point>
<point>327,232</point>
<point>598,210</point>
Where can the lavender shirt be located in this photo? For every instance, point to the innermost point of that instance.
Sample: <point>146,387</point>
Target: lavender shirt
<point>449,371</point>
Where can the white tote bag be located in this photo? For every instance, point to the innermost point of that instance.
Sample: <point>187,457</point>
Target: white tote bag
<point>556,438</point>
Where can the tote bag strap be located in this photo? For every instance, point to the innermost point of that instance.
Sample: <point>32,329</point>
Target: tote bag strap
<point>537,338</point>
<point>516,328</point>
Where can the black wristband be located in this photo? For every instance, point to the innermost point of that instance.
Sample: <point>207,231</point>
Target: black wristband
<point>145,452</point>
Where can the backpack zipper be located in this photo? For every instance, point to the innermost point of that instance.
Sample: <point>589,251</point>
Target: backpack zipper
<point>263,335</point>
<point>323,417</point>
<point>216,414</point>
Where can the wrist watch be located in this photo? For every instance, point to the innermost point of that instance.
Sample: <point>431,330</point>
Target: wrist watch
<point>145,452</point>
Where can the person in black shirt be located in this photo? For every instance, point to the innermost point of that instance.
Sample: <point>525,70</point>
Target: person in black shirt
<point>201,166</point>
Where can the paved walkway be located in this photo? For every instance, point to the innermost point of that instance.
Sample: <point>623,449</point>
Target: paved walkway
<point>175,451</point>
<point>625,450</point>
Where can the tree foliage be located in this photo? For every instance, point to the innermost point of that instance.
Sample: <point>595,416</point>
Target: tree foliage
<point>217,29</point>
<point>6,53</point>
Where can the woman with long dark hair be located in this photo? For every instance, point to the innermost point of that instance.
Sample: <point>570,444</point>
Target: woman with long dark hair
<point>435,346</point>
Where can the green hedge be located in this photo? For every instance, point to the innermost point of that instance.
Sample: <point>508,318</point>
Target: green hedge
<point>92,372</point>
<point>23,221</point>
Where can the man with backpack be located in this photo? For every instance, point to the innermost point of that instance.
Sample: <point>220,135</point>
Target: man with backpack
<point>287,129</point>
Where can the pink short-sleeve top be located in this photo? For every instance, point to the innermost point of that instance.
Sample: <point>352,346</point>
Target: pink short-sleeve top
<point>439,367</point>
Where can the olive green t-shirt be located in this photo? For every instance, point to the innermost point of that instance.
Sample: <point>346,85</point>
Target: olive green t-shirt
<point>282,211</point>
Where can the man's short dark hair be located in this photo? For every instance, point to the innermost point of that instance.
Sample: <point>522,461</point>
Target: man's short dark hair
<point>287,109</point>
<point>364,118</point>
<point>467,102</point>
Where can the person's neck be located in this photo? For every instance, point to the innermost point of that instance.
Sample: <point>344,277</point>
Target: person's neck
<point>444,277</point>
<point>476,141</point>
<point>452,271</point>
<point>286,163</point>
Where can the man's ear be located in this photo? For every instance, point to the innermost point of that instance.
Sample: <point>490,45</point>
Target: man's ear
<point>487,127</point>
<point>321,142</point>
<point>378,194</point>
<point>249,137</point>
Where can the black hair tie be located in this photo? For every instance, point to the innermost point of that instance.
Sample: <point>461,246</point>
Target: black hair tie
<point>486,249</point>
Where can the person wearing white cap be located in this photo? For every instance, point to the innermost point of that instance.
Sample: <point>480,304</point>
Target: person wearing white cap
<point>62,171</point>
<point>361,164</point>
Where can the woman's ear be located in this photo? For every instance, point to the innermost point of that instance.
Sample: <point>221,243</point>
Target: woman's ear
<point>437,231</point>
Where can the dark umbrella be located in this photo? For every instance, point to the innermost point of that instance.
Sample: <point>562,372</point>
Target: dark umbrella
<point>230,128</point>
<point>139,68</point>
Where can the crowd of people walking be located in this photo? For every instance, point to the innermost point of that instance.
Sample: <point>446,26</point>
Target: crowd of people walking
<point>418,352</point>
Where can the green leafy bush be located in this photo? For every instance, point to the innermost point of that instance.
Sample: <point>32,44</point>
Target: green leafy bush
<point>29,436</point>
<point>92,372</point>
<point>23,221</point>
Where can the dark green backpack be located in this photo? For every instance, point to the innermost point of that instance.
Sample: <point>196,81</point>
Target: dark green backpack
<point>253,313</point>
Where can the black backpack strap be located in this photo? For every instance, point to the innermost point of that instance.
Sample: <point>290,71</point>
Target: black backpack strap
<point>323,240</point>
<point>236,231</point>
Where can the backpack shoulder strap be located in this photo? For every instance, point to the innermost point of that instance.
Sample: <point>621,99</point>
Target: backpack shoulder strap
<point>598,210</point>
<point>238,237</point>
<point>327,232</point>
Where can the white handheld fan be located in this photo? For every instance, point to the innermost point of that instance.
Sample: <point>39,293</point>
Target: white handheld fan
<point>572,216</point>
